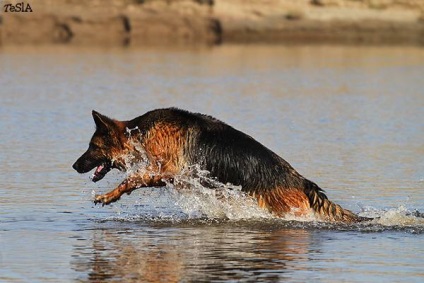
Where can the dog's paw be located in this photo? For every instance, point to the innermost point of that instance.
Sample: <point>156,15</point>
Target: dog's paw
<point>100,199</point>
<point>104,199</point>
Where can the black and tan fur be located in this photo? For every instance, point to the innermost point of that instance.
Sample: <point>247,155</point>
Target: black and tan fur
<point>171,139</point>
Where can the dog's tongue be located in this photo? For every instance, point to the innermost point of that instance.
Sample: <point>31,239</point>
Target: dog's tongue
<point>99,168</point>
<point>97,175</point>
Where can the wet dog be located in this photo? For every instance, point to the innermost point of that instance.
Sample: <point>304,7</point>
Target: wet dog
<point>165,141</point>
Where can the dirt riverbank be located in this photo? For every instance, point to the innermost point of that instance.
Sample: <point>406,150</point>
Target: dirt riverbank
<point>138,22</point>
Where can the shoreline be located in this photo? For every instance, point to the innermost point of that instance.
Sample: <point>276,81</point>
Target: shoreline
<point>201,22</point>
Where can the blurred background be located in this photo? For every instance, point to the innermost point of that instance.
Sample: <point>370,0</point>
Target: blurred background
<point>141,22</point>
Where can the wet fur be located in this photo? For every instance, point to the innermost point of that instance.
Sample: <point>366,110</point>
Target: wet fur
<point>174,139</point>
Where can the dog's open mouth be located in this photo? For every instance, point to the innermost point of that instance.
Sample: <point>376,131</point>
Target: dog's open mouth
<point>100,172</point>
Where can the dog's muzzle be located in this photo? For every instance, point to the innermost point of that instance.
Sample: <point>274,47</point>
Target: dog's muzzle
<point>99,173</point>
<point>77,166</point>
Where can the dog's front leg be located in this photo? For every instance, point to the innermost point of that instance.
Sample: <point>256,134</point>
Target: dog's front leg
<point>130,184</point>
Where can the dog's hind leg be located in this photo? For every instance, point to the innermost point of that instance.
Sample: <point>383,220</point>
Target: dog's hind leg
<point>130,184</point>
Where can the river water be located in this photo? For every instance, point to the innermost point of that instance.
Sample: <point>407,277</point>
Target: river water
<point>349,118</point>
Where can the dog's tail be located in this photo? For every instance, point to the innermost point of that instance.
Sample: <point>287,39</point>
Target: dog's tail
<point>326,209</point>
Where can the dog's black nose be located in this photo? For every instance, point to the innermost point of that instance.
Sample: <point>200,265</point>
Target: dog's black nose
<point>75,166</point>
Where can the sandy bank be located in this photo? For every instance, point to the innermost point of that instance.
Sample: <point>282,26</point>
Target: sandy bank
<point>138,22</point>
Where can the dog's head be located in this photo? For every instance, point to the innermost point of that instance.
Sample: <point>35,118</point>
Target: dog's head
<point>104,148</point>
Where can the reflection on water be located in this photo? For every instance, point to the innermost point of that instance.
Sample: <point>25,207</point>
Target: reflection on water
<point>254,251</point>
<point>206,253</point>
<point>347,118</point>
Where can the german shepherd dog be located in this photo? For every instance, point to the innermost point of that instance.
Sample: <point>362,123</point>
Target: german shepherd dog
<point>168,140</point>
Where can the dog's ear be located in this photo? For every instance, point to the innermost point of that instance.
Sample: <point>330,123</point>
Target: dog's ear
<point>102,122</point>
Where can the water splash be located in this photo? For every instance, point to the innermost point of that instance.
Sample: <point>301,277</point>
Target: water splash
<point>188,201</point>
<point>135,159</point>
<point>197,197</point>
<point>399,216</point>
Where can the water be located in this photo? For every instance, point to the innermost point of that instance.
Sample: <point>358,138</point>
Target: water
<point>348,118</point>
